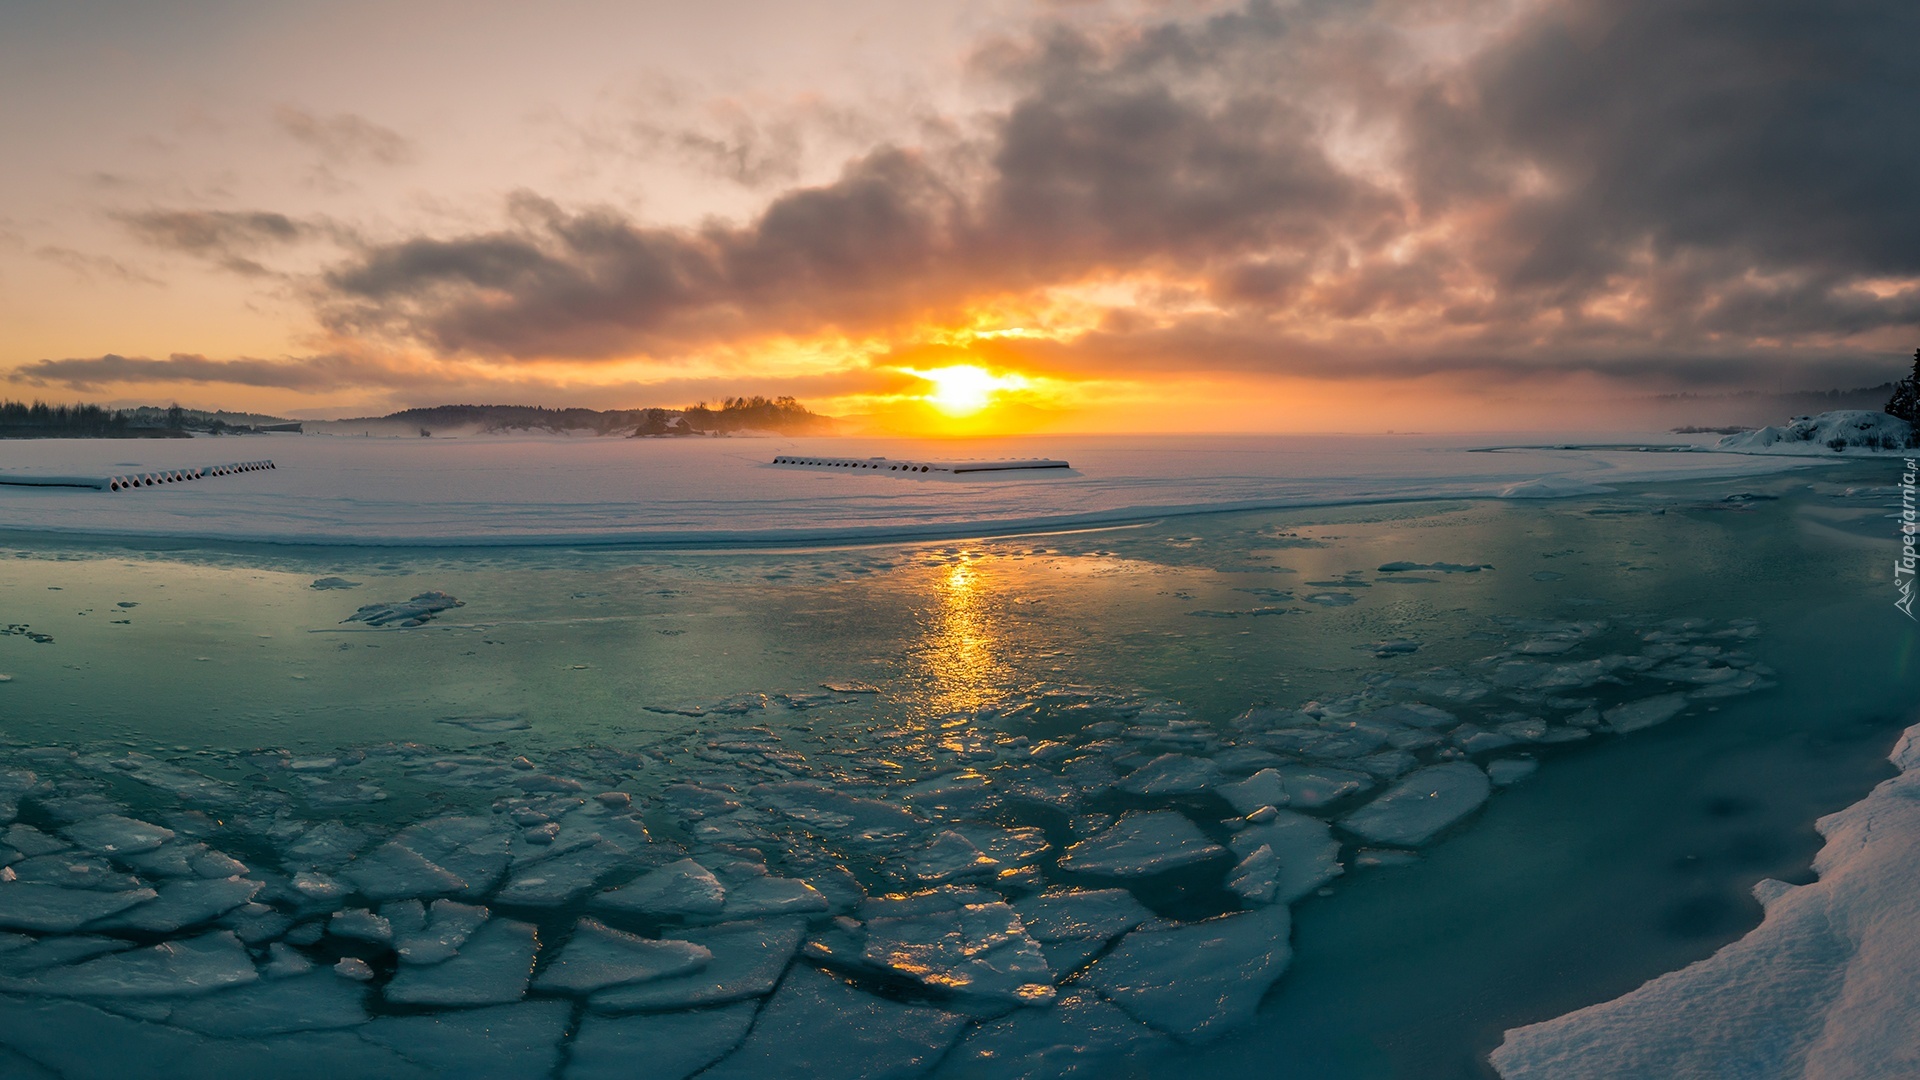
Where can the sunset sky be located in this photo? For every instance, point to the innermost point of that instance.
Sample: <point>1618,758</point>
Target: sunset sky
<point>1160,214</point>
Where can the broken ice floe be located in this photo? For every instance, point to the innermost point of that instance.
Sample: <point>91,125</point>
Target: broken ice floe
<point>943,870</point>
<point>413,612</point>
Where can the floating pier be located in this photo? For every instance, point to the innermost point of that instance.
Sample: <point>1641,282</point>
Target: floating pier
<point>880,464</point>
<point>130,481</point>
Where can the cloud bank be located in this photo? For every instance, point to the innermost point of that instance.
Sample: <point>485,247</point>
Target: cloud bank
<point>1684,192</point>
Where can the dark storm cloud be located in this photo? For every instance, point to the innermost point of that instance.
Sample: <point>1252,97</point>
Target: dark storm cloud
<point>1607,184</point>
<point>303,373</point>
<point>1702,145</point>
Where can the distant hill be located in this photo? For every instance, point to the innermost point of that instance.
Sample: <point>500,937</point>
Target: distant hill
<point>784,415</point>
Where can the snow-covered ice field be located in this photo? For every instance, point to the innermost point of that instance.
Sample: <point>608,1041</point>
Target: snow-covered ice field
<point>542,490</point>
<point>1337,791</point>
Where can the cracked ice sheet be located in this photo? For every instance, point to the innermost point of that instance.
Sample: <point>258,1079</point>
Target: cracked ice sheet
<point>818,1028</point>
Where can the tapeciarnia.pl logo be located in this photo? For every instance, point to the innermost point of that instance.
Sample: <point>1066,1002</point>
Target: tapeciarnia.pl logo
<point>1903,567</point>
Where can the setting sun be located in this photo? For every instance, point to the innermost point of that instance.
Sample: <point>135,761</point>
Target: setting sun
<point>964,389</point>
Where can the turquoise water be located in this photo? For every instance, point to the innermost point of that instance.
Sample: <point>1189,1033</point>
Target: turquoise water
<point>638,673</point>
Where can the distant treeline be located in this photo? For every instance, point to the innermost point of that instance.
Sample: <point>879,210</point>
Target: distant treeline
<point>782,414</point>
<point>39,420</point>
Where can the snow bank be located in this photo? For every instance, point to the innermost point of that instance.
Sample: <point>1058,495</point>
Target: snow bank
<point>1847,430</point>
<point>522,490</point>
<point>1827,986</point>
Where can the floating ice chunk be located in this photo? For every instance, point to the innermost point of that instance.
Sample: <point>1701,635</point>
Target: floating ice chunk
<point>394,871</point>
<point>1081,914</point>
<point>1199,980</point>
<point>1256,878</point>
<point>1304,847</point>
<point>597,957</point>
<point>748,959</point>
<point>72,870</point>
<point>313,1001</point>
<point>772,896</point>
<point>492,968</point>
<point>1511,770</point>
<point>488,725</point>
<point>433,934</point>
<point>353,968</point>
<point>1330,599</point>
<point>284,961</point>
<point>113,834</point>
<point>980,951</point>
<point>1080,1036</point>
<point>675,1045</point>
<point>677,889</point>
<point>950,794</point>
<point>31,841</point>
<point>327,845</point>
<point>471,848</point>
<point>1264,788</point>
<point>1311,787</point>
<point>554,881</point>
<point>513,1042</point>
<point>1172,774</point>
<point>1385,650</point>
<point>952,857</point>
<point>1442,567</point>
<point>1420,805</point>
<point>829,810</point>
<point>1141,844</point>
<point>361,925</point>
<point>817,1028</point>
<point>30,956</point>
<point>180,859</point>
<point>52,909</point>
<point>198,965</point>
<point>184,903</point>
<point>1645,713</point>
<point>319,887</point>
<point>413,612</point>
<point>333,583</point>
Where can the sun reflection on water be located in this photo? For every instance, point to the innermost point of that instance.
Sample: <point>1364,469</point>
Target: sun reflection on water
<point>963,649</point>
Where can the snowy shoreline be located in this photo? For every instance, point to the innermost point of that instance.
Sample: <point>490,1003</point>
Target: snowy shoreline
<point>1827,985</point>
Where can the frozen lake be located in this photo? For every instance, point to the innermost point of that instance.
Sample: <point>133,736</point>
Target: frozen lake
<point>519,490</point>
<point>1330,788</point>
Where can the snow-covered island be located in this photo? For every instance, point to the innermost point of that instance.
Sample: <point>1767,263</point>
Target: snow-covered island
<point>1841,431</point>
